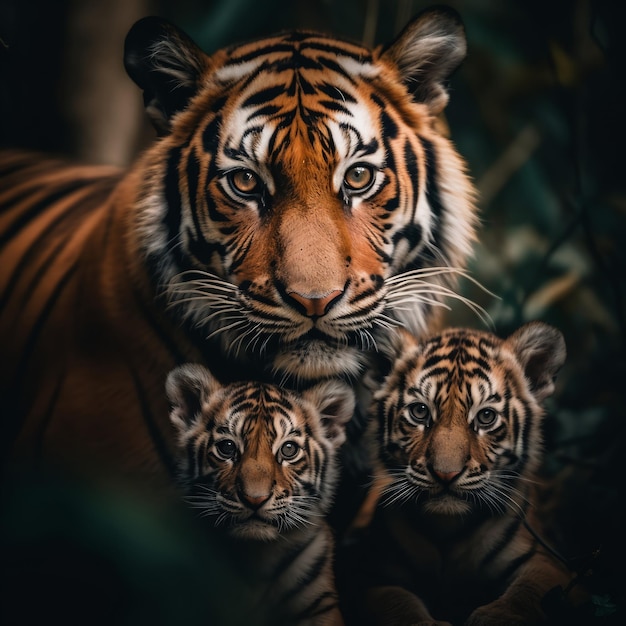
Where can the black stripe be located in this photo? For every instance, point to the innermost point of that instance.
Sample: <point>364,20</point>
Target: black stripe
<point>210,135</point>
<point>335,67</point>
<point>412,169</point>
<point>336,50</point>
<point>35,209</point>
<point>260,52</point>
<point>517,563</point>
<point>334,93</point>
<point>291,557</point>
<point>315,608</point>
<point>432,190</point>
<point>311,575</point>
<point>192,173</point>
<point>502,543</point>
<point>39,324</point>
<point>29,252</point>
<point>267,111</point>
<point>151,423</point>
<point>263,96</point>
<point>171,219</point>
<point>13,422</point>
<point>334,106</point>
<point>389,127</point>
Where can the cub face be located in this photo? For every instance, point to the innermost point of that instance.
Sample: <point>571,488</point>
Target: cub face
<point>459,417</point>
<point>256,460</point>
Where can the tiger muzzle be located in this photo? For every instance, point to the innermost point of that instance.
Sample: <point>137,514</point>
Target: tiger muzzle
<point>313,306</point>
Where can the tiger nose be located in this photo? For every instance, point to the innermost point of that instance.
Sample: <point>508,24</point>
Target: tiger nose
<point>446,477</point>
<point>313,306</point>
<point>254,502</point>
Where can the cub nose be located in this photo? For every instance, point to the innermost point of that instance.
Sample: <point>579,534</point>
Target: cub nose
<point>443,476</point>
<point>254,502</point>
<point>314,306</point>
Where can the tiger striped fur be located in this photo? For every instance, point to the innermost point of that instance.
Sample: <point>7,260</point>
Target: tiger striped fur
<point>260,464</point>
<point>456,443</point>
<point>299,198</point>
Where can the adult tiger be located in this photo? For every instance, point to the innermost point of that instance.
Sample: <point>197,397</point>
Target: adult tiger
<point>299,195</point>
<point>456,445</point>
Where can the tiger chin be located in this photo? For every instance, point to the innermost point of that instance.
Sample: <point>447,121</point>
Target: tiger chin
<point>260,466</point>
<point>455,440</point>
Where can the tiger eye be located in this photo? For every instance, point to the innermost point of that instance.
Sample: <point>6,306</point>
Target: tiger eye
<point>486,417</point>
<point>419,412</point>
<point>358,177</point>
<point>289,449</point>
<point>245,182</point>
<point>226,448</point>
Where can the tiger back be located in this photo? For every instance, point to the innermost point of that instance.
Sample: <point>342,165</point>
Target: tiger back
<point>260,465</point>
<point>456,442</point>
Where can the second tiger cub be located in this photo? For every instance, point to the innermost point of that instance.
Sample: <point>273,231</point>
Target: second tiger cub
<point>456,442</point>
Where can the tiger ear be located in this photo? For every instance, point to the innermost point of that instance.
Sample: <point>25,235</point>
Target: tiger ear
<point>427,51</point>
<point>335,402</point>
<point>166,64</point>
<point>394,343</point>
<point>540,350</point>
<point>187,388</point>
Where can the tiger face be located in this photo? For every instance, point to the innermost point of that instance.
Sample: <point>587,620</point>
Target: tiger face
<point>459,418</point>
<point>255,459</point>
<point>296,177</point>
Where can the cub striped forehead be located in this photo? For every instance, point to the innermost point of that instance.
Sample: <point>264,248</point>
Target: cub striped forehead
<point>200,403</point>
<point>529,359</point>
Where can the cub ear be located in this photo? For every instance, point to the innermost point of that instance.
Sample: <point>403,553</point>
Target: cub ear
<point>393,343</point>
<point>166,64</point>
<point>427,51</point>
<point>335,402</point>
<point>187,388</point>
<point>541,351</point>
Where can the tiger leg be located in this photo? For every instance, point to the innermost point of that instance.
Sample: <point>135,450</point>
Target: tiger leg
<point>520,604</point>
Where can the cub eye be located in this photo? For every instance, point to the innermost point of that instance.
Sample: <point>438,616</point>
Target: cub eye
<point>226,448</point>
<point>419,413</point>
<point>486,417</point>
<point>358,178</point>
<point>245,183</point>
<point>289,449</point>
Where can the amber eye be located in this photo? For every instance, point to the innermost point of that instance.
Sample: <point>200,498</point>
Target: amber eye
<point>419,413</point>
<point>486,417</point>
<point>245,183</point>
<point>226,448</point>
<point>289,449</point>
<point>358,178</point>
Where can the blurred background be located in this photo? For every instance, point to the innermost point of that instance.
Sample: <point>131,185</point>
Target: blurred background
<point>537,110</point>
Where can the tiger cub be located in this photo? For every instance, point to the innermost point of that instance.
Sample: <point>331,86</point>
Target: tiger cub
<point>260,463</point>
<point>456,441</point>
